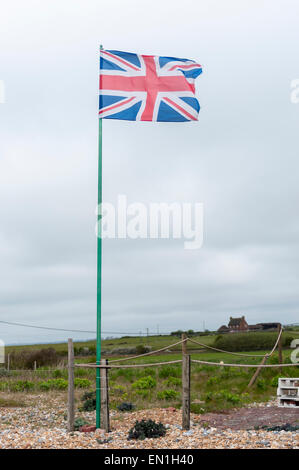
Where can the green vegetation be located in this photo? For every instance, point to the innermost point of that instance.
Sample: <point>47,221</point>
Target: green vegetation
<point>146,429</point>
<point>144,383</point>
<point>167,394</point>
<point>25,358</point>
<point>79,422</point>
<point>250,341</point>
<point>11,403</point>
<point>212,388</point>
<point>126,406</point>
<point>88,401</point>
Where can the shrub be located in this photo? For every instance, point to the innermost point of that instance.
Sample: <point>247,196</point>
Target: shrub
<point>118,389</point>
<point>4,373</point>
<point>25,359</point>
<point>173,381</point>
<point>261,384</point>
<point>21,386</point>
<point>168,394</point>
<point>79,422</point>
<point>89,401</point>
<point>126,406</point>
<point>141,349</point>
<point>44,386</point>
<point>253,341</point>
<point>4,385</point>
<point>57,384</point>
<point>196,408</point>
<point>82,383</point>
<point>84,351</point>
<point>223,395</point>
<point>146,429</point>
<point>144,383</point>
<point>274,381</point>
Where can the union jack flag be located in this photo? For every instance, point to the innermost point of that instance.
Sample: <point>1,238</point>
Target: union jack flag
<point>137,87</point>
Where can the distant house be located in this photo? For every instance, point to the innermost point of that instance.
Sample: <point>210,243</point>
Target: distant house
<point>223,329</point>
<point>237,324</point>
<point>255,327</point>
<point>269,326</point>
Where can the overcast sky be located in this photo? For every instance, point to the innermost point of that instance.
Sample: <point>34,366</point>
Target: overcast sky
<point>240,160</point>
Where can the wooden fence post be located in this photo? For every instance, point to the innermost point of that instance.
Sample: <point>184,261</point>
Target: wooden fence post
<point>280,357</point>
<point>186,363</point>
<point>184,344</point>
<point>34,366</point>
<point>71,397</point>
<point>8,361</point>
<point>258,370</point>
<point>105,419</point>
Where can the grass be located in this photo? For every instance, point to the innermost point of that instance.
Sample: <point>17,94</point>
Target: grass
<point>155,342</point>
<point>11,403</point>
<point>212,388</point>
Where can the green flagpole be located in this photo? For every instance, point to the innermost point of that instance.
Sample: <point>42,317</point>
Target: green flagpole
<point>99,281</point>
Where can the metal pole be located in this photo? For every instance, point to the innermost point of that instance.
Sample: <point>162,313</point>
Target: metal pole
<point>99,280</point>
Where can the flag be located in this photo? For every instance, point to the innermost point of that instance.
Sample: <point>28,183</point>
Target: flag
<point>137,87</point>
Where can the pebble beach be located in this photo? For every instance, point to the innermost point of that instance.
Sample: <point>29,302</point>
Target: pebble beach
<point>43,426</point>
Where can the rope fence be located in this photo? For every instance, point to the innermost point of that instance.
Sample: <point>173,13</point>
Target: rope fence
<point>222,364</point>
<point>126,366</point>
<point>186,362</point>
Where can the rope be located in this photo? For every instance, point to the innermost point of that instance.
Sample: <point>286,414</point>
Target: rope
<point>240,354</point>
<point>227,352</point>
<point>243,365</point>
<point>104,366</point>
<point>151,352</point>
<point>277,341</point>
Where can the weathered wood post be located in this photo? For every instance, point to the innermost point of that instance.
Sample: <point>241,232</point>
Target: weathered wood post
<point>258,370</point>
<point>280,357</point>
<point>8,361</point>
<point>34,366</point>
<point>184,344</point>
<point>71,395</point>
<point>186,366</point>
<point>105,419</point>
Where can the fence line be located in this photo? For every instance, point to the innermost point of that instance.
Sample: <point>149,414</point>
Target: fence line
<point>186,362</point>
<point>151,352</point>
<point>126,366</point>
<point>226,352</point>
<point>222,364</point>
<point>239,354</point>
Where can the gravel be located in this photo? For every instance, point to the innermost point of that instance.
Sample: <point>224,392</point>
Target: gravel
<point>42,425</point>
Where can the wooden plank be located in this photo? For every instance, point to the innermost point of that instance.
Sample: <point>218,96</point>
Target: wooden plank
<point>186,366</point>
<point>71,395</point>
<point>105,418</point>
